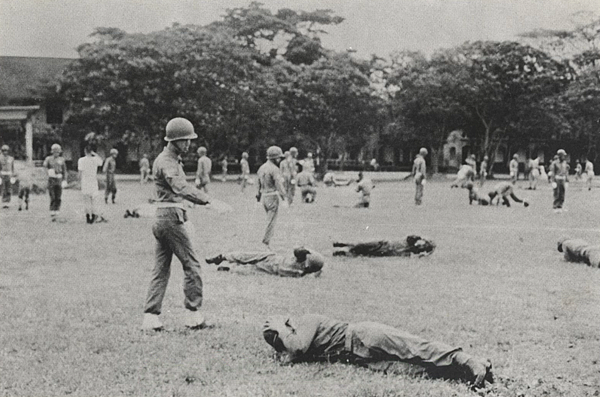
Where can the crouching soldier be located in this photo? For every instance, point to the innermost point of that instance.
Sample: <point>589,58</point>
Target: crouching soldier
<point>475,196</point>
<point>304,261</point>
<point>306,182</point>
<point>315,337</point>
<point>577,250</point>
<point>411,245</point>
<point>503,191</point>
<point>364,188</point>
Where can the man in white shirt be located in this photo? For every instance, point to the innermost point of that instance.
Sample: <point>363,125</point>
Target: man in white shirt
<point>88,171</point>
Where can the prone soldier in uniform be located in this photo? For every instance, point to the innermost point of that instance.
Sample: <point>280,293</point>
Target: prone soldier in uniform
<point>304,261</point>
<point>577,250</point>
<point>317,338</point>
<point>410,245</point>
<point>270,189</point>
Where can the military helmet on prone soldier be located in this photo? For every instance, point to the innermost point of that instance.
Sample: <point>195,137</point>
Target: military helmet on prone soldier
<point>274,152</point>
<point>180,129</point>
<point>314,262</point>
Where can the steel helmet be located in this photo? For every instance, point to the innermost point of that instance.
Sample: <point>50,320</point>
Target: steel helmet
<point>114,151</point>
<point>561,151</point>
<point>314,262</point>
<point>245,155</point>
<point>293,150</point>
<point>201,150</point>
<point>274,152</point>
<point>515,156</point>
<point>5,147</point>
<point>179,129</point>
<point>423,151</point>
<point>55,148</point>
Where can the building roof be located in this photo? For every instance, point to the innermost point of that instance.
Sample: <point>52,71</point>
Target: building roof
<point>19,76</point>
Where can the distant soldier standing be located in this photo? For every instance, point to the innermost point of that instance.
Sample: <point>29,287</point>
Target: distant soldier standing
<point>534,173</point>
<point>224,165</point>
<point>7,172</point>
<point>308,163</point>
<point>419,173</point>
<point>203,171</point>
<point>559,179</point>
<point>245,170</point>
<point>364,187</point>
<point>483,167</point>
<point>172,231</point>
<point>144,169</point>
<point>589,173</point>
<point>288,171</point>
<point>57,179</point>
<point>578,170</point>
<point>514,168</point>
<point>270,189</point>
<point>110,167</point>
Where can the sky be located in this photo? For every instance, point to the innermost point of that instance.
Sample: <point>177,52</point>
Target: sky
<point>54,28</point>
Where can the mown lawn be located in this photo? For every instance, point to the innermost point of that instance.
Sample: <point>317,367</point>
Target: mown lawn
<point>72,294</point>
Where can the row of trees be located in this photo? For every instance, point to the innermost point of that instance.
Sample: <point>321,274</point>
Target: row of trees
<point>257,78</point>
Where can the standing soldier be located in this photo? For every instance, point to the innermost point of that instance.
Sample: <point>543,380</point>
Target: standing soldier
<point>589,173</point>
<point>419,172</point>
<point>110,166</point>
<point>7,172</point>
<point>308,164</point>
<point>578,170</point>
<point>270,189</point>
<point>88,169</point>
<point>144,169</point>
<point>245,170</point>
<point>224,165</point>
<point>483,167</point>
<point>559,179</point>
<point>364,187</point>
<point>57,179</point>
<point>172,230</point>
<point>534,173</point>
<point>514,168</point>
<point>288,171</point>
<point>203,171</point>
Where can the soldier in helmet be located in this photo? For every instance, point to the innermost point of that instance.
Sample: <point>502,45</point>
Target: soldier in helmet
<point>203,171</point>
<point>110,167</point>
<point>57,179</point>
<point>245,170</point>
<point>419,173</point>
<point>7,175</point>
<point>560,179</point>
<point>270,189</point>
<point>304,261</point>
<point>172,231</point>
<point>483,168</point>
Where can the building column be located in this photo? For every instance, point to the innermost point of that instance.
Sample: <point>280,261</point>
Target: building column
<point>29,139</point>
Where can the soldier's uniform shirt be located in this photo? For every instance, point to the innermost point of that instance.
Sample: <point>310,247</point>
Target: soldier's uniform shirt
<point>88,166</point>
<point>288,168</point>
<point>589,168</point>
<point>245,167</point>
<point>144,164</point>
<point>364,187</point>
<point>110,166</point>
<point>419,169</point>
<point>514,167</point>
<point>7,165</point>
<point>204,169</point>
<point>305,179</point>
<point>560,170</point>
<point>56,168</point>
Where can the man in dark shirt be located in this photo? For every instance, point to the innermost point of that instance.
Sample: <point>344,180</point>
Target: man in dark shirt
<point>411,245</point>
<point>315,337</point>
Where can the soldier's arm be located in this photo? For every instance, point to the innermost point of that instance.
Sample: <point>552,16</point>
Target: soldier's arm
<point>180,186</point>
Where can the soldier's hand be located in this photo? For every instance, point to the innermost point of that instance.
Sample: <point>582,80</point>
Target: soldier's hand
<point>424,182</point>
<point>554,185</point>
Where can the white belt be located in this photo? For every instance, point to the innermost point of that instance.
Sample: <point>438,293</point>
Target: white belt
<point>169,205</point>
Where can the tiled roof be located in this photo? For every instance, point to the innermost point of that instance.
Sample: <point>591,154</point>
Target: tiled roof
<point>19,76</point>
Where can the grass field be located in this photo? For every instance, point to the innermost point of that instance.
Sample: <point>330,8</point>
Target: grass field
<point>72,294</point>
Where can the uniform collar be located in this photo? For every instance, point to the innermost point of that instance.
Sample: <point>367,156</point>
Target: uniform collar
<point>171,153</point>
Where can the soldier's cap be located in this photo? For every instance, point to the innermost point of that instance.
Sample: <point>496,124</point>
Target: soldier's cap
<point>5,148</point>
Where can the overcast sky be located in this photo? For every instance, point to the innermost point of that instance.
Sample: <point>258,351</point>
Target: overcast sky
<point>54,28</point>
